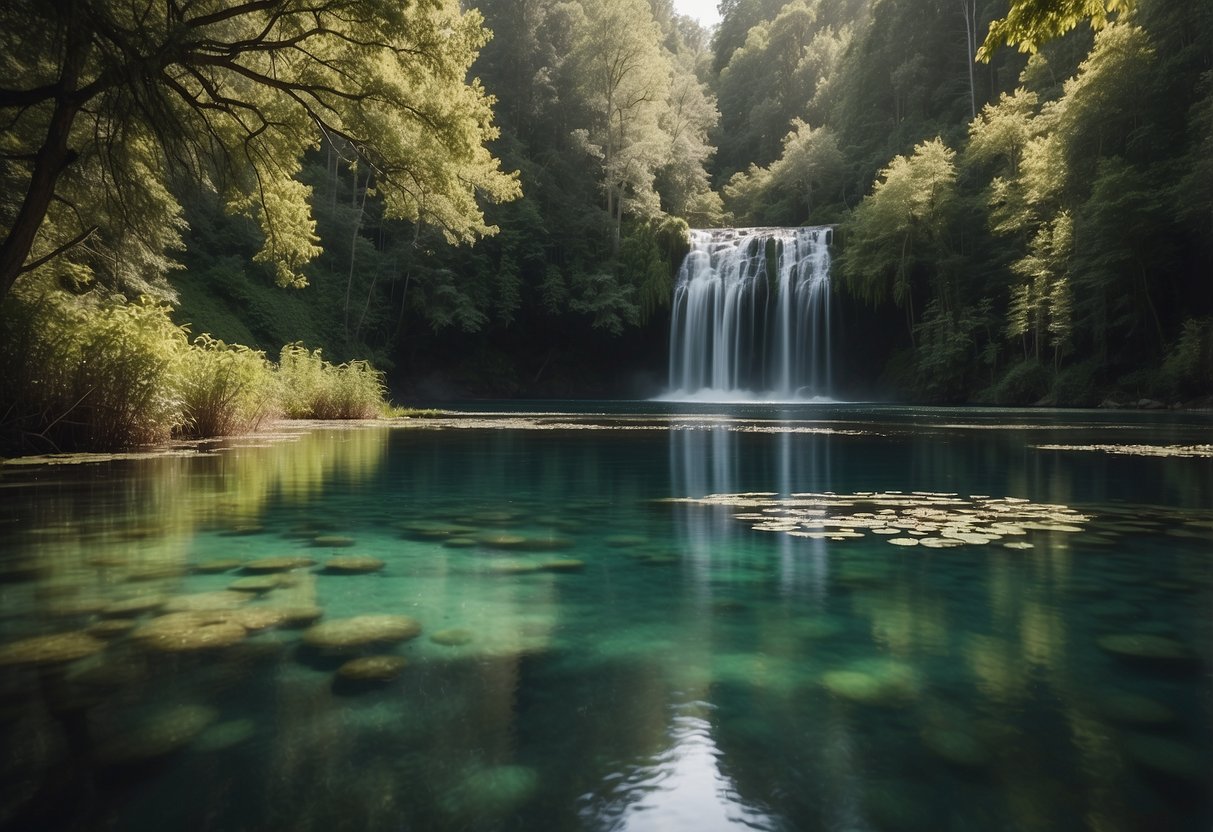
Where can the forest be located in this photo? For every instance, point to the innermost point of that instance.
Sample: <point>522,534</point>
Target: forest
<point>492,200</point>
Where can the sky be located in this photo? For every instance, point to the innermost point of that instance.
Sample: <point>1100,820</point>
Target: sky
<point>703,10</point>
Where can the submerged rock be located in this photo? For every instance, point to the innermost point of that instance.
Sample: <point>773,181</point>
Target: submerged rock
<point>300,615</point>
<point>353,565</point>
<point>563,565</point>
<point>224,735</point>
<point>213,567</point>
<point>279,564</point>
<point>186,632</point>
<point>156,736</point>
<point>41,651</point>
<point>111,628</point>
<point>134,607</point>
<point>254,619</point>
<point>256,584</point>
<point>955,746</point>
<point>883,683</point>
<point>222,599</point>
<point>360,631</point>
<point>454,637</point>
<point>1147,647</point>
<point>372,668</point>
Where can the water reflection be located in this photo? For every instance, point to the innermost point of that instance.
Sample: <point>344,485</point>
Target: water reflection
<point>594,658</point>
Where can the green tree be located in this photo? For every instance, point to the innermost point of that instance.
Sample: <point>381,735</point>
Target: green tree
<point>1029,23</point>
<point>624,75</point>
<point>106,102</point>
<point>899,232</point>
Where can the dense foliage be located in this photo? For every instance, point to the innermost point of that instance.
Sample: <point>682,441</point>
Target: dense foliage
<point>1011,228</point>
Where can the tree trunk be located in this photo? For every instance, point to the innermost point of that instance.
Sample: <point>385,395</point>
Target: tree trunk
<point>52,159</point>
<point>969,9</point>
<point>349,283</point>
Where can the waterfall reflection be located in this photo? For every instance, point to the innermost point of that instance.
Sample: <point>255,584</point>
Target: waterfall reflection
<point>720,460</point>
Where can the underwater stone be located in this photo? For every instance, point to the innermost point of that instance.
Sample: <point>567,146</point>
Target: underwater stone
<point>883,683</point>
<point>109,628</point>
<point>279,564</point>
<point>136,606</point>
<point>563,565</point>
<point>255,583</point>
<point>955,746</point>
<point>361,630</point>
<point>254,619</point>
<point>157,736</point>
<point>372,668</point>
<point>59,648</point>
<point>1146,647</point>
<point>223,599</point>
<point>300,616</point>
<point>225,735</point>
<point>186,632</point>
<point>353,565</point>
<point>459,542</point>
<point>212,567</point>
<point>454,637</point>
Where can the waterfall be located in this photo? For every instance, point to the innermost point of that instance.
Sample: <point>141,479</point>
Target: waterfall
<point>751,315</point>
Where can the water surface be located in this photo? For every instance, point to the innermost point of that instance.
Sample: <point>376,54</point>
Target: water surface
<point>606,645</point>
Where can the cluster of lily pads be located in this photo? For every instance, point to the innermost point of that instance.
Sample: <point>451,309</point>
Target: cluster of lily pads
<point>1137,450</point>
<point>918,518</point>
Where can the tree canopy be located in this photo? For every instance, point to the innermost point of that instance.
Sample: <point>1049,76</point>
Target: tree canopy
<point>108,105</point>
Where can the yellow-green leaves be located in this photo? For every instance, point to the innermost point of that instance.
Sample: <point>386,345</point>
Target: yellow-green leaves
<point>1029,23</point>
<point>234,95</point>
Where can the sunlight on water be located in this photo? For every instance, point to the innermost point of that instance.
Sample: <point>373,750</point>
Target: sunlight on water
<point>894,624</point>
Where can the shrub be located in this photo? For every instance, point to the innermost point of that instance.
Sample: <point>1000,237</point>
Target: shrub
<point>226,389</point>
<point>1188,366</point>
<point>98,374</point>
<point>1024,383</point>
<point>1078,385</point>
<point>312,388</point>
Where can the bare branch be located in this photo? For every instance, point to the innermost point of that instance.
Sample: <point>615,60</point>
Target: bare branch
<point>72,243</point>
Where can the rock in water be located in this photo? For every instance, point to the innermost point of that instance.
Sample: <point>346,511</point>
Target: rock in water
<point>59,648</point>
<point>360,631</point>
<point>372,668</point>
<point>352,565</point>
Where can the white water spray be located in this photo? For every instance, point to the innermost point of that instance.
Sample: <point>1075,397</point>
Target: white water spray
<point>751,315</point>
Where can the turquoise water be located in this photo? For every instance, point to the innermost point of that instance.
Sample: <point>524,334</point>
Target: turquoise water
<point>605,643</point>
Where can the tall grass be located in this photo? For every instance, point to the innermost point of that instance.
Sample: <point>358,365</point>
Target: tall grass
<point>226,389</point>
<point>83,373</point>
<point>313,388</point>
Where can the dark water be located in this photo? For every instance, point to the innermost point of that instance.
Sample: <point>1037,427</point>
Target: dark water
<point>607,659</point>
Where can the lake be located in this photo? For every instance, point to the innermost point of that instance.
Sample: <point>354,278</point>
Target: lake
<point>619,617</point>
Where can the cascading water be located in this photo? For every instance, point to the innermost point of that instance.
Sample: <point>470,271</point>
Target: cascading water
<point>751,315</point>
